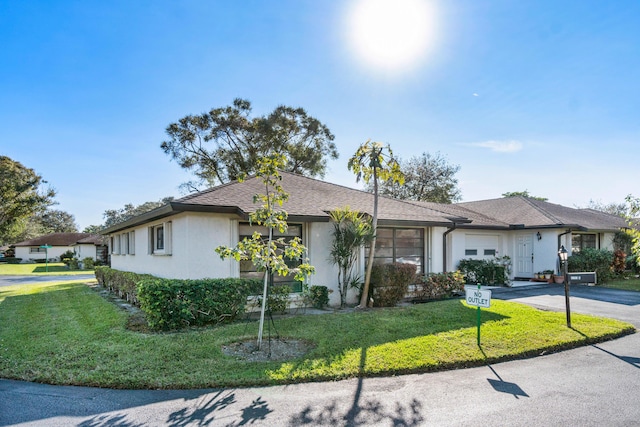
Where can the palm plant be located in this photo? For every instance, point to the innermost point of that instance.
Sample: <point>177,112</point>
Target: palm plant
<point>351,231</point>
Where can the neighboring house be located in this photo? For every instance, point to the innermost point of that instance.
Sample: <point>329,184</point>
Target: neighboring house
<point>178,240</point>
<point>33,249</point>
<point>93,246</point>
<point>529,231</point>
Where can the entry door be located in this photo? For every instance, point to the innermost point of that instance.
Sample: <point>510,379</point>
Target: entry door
<point>524,255</point>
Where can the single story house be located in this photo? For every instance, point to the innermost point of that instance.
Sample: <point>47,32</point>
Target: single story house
<point>93,246</point>
<point>59,243</point>
<point>178,239</point>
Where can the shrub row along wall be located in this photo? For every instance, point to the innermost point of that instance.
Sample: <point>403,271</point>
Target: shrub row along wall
<point>173,304</point>
<point>436,286</point>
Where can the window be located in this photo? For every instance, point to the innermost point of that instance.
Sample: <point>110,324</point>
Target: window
<point>248,270</point>
<point>583,241</point>
<point>470,252</point>
<point>132,242</point>
<point>125,243</point>
<point>115,244</point>
<point>489,252</point>
<point>36,250</point>
<point>160,239</point>
<point>403,245</point>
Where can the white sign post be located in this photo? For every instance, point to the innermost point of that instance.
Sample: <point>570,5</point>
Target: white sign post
<point>478,298</point>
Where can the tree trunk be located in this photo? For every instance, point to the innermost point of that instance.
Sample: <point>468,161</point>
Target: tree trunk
<point>264,296</point>
<point>372,249</point>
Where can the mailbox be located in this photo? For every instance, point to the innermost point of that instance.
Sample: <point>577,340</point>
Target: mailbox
<point>582,277</point>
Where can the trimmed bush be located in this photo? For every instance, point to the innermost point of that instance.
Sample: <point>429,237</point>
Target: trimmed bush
<point>317,296</point>
<point>483,271</point>
<point>88,263</point>
<point>121,283</point>
<point>390,283</point>
<point>437,286</point>
<point>173,304</point>
<point>598,260</point>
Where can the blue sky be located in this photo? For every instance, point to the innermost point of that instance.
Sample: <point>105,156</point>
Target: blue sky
<point>537,95</point>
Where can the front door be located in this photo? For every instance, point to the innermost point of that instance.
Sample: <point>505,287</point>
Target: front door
<point>524,255</point>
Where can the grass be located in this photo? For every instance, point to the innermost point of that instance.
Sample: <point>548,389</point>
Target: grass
<point>66,333</point>
<point>55,268</point>
<point>631,284</point>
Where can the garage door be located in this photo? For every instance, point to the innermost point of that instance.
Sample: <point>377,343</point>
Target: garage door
<point>481,246</point>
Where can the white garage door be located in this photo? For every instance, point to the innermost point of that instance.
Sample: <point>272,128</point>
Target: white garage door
<point>481,246</point>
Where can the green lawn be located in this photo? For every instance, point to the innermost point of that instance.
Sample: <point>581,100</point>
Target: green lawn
<point>632,284</point>
<point>66,333</point>
<point>54,268</point>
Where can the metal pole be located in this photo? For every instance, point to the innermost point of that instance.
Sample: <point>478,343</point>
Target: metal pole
<point>566,294</point>
<point>479,288</point>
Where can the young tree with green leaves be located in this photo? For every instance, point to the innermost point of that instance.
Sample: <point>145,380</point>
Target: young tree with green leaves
<point>270,256</point>
<point>373,162</point>
<point>351,231</point>
<point>226,143</point>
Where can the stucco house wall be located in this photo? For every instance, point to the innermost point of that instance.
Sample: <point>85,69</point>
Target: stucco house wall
<point>54,252</point>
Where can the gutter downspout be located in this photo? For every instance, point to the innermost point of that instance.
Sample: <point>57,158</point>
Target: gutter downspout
<point>444,247</point>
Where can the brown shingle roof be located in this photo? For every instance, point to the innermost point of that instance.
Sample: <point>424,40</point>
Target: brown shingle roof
<point>55,239</point>
<point>314,199</point>
<point>536,213</point>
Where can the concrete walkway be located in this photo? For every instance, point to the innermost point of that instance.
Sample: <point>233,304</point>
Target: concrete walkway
<point>590,386</point>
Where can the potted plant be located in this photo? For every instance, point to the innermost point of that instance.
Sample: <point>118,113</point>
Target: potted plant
<point>547,274</point>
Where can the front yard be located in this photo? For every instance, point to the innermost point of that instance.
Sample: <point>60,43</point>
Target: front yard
<point>66,333</point>
<point>630,284</point>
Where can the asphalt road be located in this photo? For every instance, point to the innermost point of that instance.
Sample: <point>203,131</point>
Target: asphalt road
<point>21,280</point>
<point>596,385</point>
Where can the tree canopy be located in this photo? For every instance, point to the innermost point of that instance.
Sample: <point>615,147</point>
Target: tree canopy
<point>115,216</point>
<point>227,143</point>
<point>21,197</point>
<point>427,178</point>
<point>524,193</point>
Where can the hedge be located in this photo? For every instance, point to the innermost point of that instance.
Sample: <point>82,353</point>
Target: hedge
<point>122,283</point>
<point>174,304</point>
<point>436,286</point>
<point>390,283</point>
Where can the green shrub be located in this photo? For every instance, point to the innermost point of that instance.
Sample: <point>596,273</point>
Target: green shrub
<point>390,283</point>
<point>73,264</point>
<point>590,259</point>
<point>436,286</point>
<point>13,260</point>
<point>88,263</point>
<point>121,283</point>
<point>495,271</point>
<point>174,304</point>
<point>67,256</point>
<point>278,299</point>
<point>316,296</point>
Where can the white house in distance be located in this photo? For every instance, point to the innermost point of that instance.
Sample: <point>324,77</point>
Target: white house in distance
<point>178,240</point>
<point>83,244</point>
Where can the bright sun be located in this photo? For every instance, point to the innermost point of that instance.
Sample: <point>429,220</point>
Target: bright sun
<point>391,35</point>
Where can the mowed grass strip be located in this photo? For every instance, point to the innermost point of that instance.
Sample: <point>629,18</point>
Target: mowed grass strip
<point>66,333</point>
<point>53,269</point>
<point>630,284</point>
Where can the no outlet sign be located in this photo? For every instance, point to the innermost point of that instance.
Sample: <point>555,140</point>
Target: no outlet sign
<point>478,297</point>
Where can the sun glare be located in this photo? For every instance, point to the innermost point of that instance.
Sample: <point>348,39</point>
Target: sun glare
<point>391,35</point>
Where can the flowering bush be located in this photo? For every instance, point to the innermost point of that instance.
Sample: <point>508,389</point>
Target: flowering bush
<point>438,286</point>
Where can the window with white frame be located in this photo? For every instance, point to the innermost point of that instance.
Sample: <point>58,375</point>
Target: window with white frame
<point>160,239</point>
<point>36,250</point>
<point>125,243</point>
<point>115,245</point>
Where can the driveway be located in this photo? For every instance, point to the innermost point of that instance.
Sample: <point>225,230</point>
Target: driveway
<point>590,386</point>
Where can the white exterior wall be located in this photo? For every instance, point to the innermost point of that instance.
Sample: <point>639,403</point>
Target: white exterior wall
<point>458,239</point>
<point>318,243</point>
<point>194,237</point>
<point>83,251</point>
<point>53,252</point>
<point>434,254</point>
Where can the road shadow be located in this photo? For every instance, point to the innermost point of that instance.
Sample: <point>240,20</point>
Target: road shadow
<point>503,386</point>
<point>37,403</point>
<point>362,411</point>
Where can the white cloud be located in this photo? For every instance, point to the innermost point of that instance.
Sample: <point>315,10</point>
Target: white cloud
<point>500,146</point>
